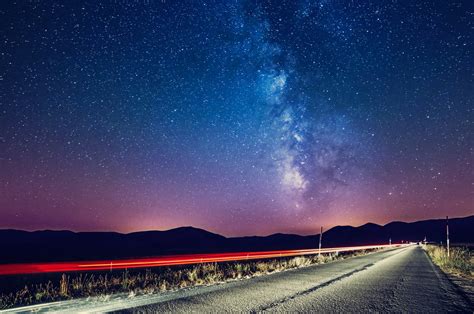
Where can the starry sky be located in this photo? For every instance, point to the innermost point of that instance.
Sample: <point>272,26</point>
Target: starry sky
<point>239,117</point>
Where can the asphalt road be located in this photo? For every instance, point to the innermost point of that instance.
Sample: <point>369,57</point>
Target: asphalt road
<point>399,280</point>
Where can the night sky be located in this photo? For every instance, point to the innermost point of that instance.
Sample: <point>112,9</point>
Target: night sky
<point>239,117</point>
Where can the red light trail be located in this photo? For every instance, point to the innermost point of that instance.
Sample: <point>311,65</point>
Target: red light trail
<point>189,259</point>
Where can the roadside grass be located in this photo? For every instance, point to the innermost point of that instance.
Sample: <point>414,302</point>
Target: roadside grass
<point>460,261</point>
<point>149,281</point>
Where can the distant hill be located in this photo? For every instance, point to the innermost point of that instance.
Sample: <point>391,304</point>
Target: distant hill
<point>24,246</point>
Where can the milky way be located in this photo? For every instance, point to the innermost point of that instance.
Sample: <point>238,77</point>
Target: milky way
<point>240,117</point>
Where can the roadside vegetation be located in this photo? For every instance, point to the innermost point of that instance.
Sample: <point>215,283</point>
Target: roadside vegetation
<point>149,281</point>
<point>460,261</point>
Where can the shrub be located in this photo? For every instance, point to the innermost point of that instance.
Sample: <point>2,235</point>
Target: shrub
<point>460,260</point>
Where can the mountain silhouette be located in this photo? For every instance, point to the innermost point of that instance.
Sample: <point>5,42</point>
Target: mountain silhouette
<point>41,246</point>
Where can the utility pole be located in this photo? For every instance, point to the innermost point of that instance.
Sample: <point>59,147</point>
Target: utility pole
<point>447,234</point>
<point>320,239</point>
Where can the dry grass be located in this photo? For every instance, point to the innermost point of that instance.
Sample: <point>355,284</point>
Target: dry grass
<point>159,280</point>
<point>460,261</point>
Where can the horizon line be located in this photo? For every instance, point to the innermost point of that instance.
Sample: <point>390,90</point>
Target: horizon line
<point>190,226</point>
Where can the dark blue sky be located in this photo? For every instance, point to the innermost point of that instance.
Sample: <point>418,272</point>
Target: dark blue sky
<point>241,117</point>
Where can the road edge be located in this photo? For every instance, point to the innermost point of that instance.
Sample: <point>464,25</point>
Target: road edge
<point>458,289</point>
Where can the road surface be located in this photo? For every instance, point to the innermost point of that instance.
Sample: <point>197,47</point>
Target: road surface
<point>400,280</point>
